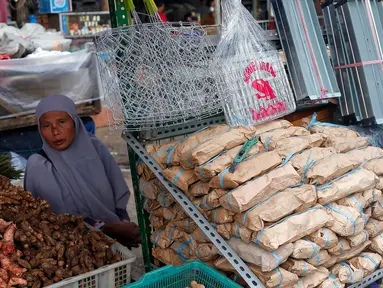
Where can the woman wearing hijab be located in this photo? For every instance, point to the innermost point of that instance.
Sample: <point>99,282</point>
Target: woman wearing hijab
<point>76,174</point>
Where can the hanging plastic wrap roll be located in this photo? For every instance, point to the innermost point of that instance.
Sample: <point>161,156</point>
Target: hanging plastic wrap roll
<point>252,71</point>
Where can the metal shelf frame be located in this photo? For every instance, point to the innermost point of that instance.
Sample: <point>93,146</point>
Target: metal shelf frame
<point>136,149</point>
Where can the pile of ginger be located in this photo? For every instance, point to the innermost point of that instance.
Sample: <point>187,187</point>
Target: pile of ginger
<point>39,248</point>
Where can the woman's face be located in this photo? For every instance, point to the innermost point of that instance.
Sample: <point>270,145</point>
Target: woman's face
<point>58,129</point>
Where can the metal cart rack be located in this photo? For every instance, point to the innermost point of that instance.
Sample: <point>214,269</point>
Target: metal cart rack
<point>136,142</point>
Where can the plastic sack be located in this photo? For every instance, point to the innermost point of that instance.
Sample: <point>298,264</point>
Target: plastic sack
<point>252,70</point>
<point>25,82</point>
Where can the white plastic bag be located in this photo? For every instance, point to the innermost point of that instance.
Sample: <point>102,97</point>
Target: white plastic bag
<point>252,69</point>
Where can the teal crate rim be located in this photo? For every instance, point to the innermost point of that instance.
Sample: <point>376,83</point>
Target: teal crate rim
<point>169,271</point>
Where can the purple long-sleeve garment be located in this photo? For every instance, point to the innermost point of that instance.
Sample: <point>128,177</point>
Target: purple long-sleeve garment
<point>81,180</point>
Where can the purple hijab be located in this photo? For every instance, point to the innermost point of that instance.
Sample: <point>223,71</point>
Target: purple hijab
<point>81,180</point>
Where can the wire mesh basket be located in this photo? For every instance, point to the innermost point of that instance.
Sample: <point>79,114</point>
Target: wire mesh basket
<point>157,74</point>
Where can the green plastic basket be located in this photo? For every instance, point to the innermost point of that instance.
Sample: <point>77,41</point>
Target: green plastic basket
<point>181,276</point>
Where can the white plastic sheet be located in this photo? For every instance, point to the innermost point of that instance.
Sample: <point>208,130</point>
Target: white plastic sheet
<point>24,82</point>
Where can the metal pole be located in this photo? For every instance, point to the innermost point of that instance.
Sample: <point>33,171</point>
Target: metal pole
<point>142,216</point>
<point>217,12</point>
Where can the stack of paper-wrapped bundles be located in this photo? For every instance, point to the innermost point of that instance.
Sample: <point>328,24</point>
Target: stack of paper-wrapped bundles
<point>304,209</point>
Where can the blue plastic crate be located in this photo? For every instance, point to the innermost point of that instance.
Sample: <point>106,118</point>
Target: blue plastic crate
<point>181,276</point>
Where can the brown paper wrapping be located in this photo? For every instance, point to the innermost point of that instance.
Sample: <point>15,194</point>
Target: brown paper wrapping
<point>333,260</point>
<point>333,131</point>
<point>225,230</point>
<point>377,244</point>
<point>180,177</point>
<point>207,171</point>
<point>250,168</point>
<point>292,228</point>
<point>345,144</point>
<point>300,160</point>
<point>374,227</point>
<point>260,257</point>
<point>314,279</point>
<point>242,232</point>
<point>276,278</point>
<point>165,199</point>
<point>305,249</point>
<point>210,148</point>
<point>347,273</point>
<point>150,205</point>
<point>252,192</point>
<point>188,238</point>
<point>332,282</point>
<point>199,189</point>
<point>170,213</point>
<point>346,221</point>
<point>181,248</point>
<point>356,181</point>
<point>211,200</point>
<point>185,225</point>
<point>185,146</point>
<point>342,246</point>
<point>278,206</point>
<point>157,222</point>
<point>371,196</point>
<point>324,238</point>
<point>221,215</point>
<point>205,252</point>
<point>367,262</point>
<point>321,258</point>
<point>165,237</point>
<point>331,167</point>
<point>199,236</point>
<point>292,145</point>
<point>298,267</point>
<point>150,189</point>
<point>375,165</point>
<point>367,153</point>
<point>358,239</point>
<point>377,209</point>
<point>272,125</point>
<point>279,277</point>
<point>167,256</point>
<point>356,201</point>
<point>379,186</point>
<point>283,133</point>
<point>353,252</point>
<point>160,155</point>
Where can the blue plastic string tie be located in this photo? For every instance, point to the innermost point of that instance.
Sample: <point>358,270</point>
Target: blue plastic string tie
<point>178,176</point>
<point>280,277</point>
<point>326,237</point>
<point>356,201</point>
<point>341,245</point>
<point>350,269</point>
<point>215,215</point>
<point>207,206</point>
<point>201,173</point>
<point>187,225</point>
<point>365,219</point>
<point>315,247</point>
<point>228,199</point>
<point>276,257</point>
<point>158,236</point>
<point>304,269</point>
<point>376,225</point>
<point>237,230</point>
<point>223,173</point>
<point>171,232</point>
<point>266,144</point>
<point>365,256</point>
<point>343,214</point>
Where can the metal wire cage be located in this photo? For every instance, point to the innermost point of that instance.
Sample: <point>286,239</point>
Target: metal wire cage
<point>157,74</point>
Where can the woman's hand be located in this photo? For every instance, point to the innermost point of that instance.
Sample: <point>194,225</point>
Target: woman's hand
<point>126,233</point>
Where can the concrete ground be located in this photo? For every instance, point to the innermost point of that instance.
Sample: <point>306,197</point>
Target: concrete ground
<point>117,147</point>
